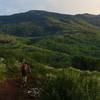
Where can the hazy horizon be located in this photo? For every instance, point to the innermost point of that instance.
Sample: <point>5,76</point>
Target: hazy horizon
<point>65,6</point>
<point>47,11</point>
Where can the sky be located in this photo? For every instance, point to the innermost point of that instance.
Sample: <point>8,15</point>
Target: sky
<point>8,7</point>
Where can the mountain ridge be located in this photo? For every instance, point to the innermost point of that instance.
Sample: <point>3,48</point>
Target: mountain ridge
<point>37,23</point>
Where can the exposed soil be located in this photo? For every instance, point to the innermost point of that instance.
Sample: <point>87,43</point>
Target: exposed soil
<point>12,90</point>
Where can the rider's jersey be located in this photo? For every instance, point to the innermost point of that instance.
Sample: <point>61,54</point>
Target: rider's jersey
<point>24,67</point>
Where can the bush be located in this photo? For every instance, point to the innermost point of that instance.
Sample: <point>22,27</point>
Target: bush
<point>86,63</point>
<point>70,86</point>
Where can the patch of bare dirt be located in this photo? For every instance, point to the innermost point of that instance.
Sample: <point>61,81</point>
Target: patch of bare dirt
<point>12,90</point>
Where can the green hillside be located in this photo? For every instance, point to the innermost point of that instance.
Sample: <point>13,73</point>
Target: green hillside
<point>63,52</point>
<point>57,40</point>
<point>41,23</point>
<point>56,51</point>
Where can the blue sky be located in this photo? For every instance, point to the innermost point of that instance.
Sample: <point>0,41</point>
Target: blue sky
<point>62,6</point>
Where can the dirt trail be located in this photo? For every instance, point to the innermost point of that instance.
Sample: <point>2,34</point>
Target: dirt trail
<point>11,90</point>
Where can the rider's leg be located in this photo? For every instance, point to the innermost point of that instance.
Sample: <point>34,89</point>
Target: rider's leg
<point>25,79</point>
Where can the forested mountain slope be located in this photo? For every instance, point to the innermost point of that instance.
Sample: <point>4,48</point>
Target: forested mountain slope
<point>37,23</point>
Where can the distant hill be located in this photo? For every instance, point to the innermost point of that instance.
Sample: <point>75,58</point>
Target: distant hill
<point>42,23</point>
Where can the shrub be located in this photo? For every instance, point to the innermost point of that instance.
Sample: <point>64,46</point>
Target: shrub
<point>70,86</point>
<point>86,63</point>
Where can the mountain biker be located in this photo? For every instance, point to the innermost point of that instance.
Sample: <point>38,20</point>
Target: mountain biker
<point>25,69</point>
